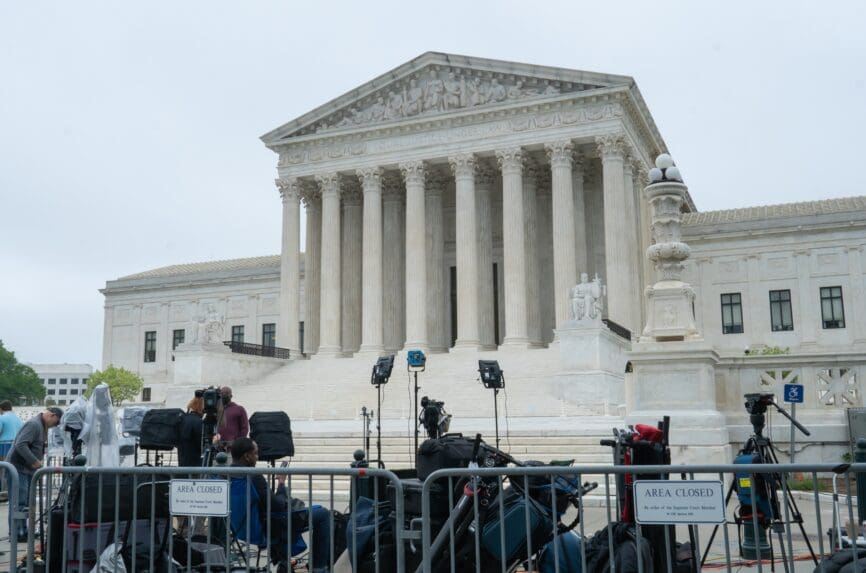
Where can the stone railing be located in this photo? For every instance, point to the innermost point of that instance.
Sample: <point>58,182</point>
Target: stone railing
<point>832,383</point>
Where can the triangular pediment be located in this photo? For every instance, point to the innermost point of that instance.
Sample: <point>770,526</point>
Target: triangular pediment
<point>436,84</point>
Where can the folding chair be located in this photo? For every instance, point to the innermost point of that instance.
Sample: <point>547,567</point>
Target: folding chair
<point>246,523</point>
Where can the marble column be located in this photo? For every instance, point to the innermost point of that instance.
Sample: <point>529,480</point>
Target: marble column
<point>312,269</point>
<point>331,300</point>
<point>393,252</point>
<point>581,254</point>
<point>545,256</point>
<point>416,256</point>
<point>634,255</point>
<point>485,179</point>
<point>290,267</point>
<point>435,237</point>
<point>463,166</point>
<point>351,260</point>
<point>619,280</point>
<point>514,246</point>
<point>530,212</point>
<point>564,270</point>
<point>371,291</point>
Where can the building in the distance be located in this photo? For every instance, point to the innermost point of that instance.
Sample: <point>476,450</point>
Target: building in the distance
<point>452,205</point>
<point>64,383</point>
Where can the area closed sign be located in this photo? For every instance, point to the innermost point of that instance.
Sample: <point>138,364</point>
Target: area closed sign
<point>672,502</point>
<point>209,497</point>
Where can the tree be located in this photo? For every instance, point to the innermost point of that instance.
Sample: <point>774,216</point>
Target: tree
<point>122,384</point>
<point>18,382</point>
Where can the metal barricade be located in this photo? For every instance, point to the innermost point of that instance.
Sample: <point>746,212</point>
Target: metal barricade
<point>550,518</point>
<point>143,514</point>
<point>11,482</point>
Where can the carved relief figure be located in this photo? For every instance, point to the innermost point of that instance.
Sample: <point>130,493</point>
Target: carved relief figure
<point>435,89</point>
<point>515,91</point>
<point>395,105</point>
<point>412,99</point>
<point>497,91</point>
<point>453,92</point>
<point>377,110</point>
<point>210,326</point>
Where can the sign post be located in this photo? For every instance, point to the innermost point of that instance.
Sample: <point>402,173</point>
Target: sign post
<point>794,396</point>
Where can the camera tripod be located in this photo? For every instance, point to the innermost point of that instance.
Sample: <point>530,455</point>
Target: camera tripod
<point>767,484</point>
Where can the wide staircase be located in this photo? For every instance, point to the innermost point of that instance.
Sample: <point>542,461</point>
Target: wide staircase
<point>335,450</point>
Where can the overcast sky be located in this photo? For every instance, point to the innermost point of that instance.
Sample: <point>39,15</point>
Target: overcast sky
<point>129,131</point>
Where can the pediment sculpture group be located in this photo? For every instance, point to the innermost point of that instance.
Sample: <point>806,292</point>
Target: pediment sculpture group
<point>435,93</point>
<point>587,299</point>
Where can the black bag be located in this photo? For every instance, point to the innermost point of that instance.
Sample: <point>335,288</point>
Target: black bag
<point>449,451</point>
<point>626,551</point>
<point>160,429</point>
<point>412,489</point>
<point>272,431</point>
<point>87,493</point>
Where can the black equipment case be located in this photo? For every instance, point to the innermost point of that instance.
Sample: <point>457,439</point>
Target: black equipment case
<point>272,431</point>
<point>160,429</point>
<point>449,451</point>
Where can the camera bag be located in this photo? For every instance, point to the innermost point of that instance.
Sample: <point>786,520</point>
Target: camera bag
<point>449,451</point>
<point>272,431</point>
<point>160,429</point>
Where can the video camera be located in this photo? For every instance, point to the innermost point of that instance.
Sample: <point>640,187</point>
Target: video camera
<point>758,402</point>
<point>211,398</point>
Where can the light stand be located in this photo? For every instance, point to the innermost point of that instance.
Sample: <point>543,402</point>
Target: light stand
<point>493,378</point>
<point>416,362</point>
<point>381,374</point>
<point>365,431</point>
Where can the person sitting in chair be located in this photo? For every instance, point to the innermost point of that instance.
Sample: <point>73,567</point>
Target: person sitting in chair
<point>245,453</point>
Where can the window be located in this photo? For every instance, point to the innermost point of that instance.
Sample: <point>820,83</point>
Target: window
<point>832,309</point>
<point>74,381</point>
<point>145,394</point>
<point>62,392</point>
<point>177,338</point>
<point>61,402</point>
<point>84,380</point>
<point>73,391</point>
<point>52,380</point>
<point>780,310</point>
<point>150,346</point>
<point>732,313</point>
<point>63,380</point>
<point>238,333</point>
<point>51,391</point>
<point>269,334</point>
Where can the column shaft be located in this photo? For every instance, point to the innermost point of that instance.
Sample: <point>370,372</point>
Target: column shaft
<point>331,299</point>
<point>618,279</point>
<point>581,254</point>
<point>631,227</point>
<point>514,246</point>
<point>467,251</point>
<point>485,179</point>
<point>436,319</point>
<point>416,256</point>
<point>371,292</point>
<point>545,258</point>
<point>290,267</point>
<point>312,270</point>
<point>393,252</point>
<point>533,295</point>
<point>562,195</point>
<point>351,257</point>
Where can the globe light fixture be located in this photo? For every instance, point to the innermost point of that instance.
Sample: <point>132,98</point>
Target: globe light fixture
<point>673,174</point>
<point>656,175</point>
<point>664,161</point>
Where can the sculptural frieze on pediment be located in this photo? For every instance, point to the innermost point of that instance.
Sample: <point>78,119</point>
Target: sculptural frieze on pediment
<point>439,91</point>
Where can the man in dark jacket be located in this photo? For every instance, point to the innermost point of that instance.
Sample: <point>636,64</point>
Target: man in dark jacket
<point>233,422</point>
<point>245,453</point>
<point>26,455</point>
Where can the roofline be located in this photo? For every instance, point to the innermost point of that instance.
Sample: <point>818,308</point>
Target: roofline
<point>274,136</point>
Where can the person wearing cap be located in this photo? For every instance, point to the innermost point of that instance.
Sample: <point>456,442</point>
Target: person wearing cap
<point>26,456</point>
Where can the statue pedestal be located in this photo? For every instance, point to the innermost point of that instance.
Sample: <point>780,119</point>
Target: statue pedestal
<point>677,379</point>
<point>670,314</point>
<point>592,367</point>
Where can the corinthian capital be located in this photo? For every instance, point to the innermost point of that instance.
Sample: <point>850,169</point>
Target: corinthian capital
<point>510,160</point>
<point>310,195</point>
<point>611,146</point>
<point>329,183</point>
<point>413,172</point>
<point>463,165</point>
<point>289,188</point>
<point>559,152</point>
<point>371,178</point>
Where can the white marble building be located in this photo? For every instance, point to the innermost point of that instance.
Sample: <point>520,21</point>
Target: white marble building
<point>451,205</point>
<point>64,383</point>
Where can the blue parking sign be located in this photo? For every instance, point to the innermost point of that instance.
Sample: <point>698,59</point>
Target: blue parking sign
<point>794,393</point>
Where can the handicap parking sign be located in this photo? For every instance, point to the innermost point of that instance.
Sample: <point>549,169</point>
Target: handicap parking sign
<point>794,393</point>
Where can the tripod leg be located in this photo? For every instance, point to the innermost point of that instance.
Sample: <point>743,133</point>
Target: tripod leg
<point>716,527</point>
